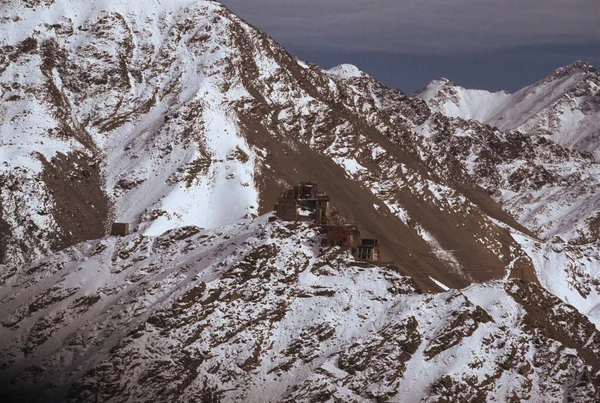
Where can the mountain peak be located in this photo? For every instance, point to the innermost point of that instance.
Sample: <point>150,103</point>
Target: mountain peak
<point>22,17</point>
<point>581,66</point>
<point>434,87</point>
<point>451,99</point>
<point>346,71</point>
<point>445,82</point>
<point>575,68</point>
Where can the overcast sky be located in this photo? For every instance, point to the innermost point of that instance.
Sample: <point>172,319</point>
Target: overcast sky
<point>488,44</point>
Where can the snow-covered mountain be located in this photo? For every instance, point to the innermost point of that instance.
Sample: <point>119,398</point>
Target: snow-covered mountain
<point>448,98</point>
<point>259,311</point>
<point>536,160</point>
<point>564,107</point>
<point>185,121</point>
<point>189,116</point>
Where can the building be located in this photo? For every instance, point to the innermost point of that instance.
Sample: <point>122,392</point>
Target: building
<point>121,229</point>
<point>341,235</point>
<point>303,203</point>
<point>287,208</point>
<point>348,236</point>
<point>368,250</point>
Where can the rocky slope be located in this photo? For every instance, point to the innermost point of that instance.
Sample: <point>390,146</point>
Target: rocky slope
<point>259,311</point>
<point>563,107</point>
<point>542,173</point>
<point>189,116</point>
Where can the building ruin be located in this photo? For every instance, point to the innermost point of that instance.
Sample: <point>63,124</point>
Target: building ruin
<point>304,202</point>
<point>341,235</point>
<point>368,250</point>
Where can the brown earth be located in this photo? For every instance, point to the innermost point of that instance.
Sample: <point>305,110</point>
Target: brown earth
<point>81,208</point>
<point>400,243</point>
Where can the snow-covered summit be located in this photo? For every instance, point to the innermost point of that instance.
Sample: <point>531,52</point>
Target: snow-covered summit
<point>346,71</point>
<point>19,18</point>
<point>576,67</point>
<point>528,106</point>
<point>127,90</point>
<point>564,106</point>
<point>446,97</point>
<point>527,153</point>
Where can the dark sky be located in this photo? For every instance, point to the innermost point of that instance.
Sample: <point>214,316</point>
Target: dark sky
<point>490,44</point>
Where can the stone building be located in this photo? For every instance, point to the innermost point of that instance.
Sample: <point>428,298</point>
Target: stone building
<point>348,236</point>
<point>341,235</point>
<point>368,250</point>
<point>303,202</point>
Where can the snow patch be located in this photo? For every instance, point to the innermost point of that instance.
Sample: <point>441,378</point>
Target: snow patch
<point>345,71</point>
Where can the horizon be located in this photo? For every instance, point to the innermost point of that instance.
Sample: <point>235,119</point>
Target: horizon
<point>509,53</point>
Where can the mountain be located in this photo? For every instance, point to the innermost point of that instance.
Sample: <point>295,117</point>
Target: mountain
<point>259,311</point>
<point>545,174</point>
<point>448,98</point>
<point>192,117</point>
<point>183,120</point>
<point>564,107</point>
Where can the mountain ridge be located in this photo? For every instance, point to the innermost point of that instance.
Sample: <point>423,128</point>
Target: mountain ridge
<point>207,138</point>
<point>260,310</point>
<point>572,91</point>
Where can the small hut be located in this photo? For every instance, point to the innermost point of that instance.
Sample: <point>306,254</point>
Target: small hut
<point>120,229</point>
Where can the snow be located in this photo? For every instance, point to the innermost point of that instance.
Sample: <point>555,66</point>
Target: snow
<point>304,212</point>
<point>561,108</point>
<point>345,72</point>
<point>439,284</point>
<point>566,270</point>
<point>350,165</point>
<point>464,103</point>
<point>220,197</point>
<point>530,101</point>
<point>546,107</point>
<point>79,12</point>
<point>314,289</point>
<point>26,122</point>
<point>438,251</point>
<point>210,202</point>
<point>496,302</point>
<point>151,152</point>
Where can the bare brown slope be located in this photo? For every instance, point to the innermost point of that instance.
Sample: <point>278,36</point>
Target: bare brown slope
<point>400,243</point>
<point>298,150</point>
<point>348,197</point>
<point>72,185</point>
<point>80,206</point>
